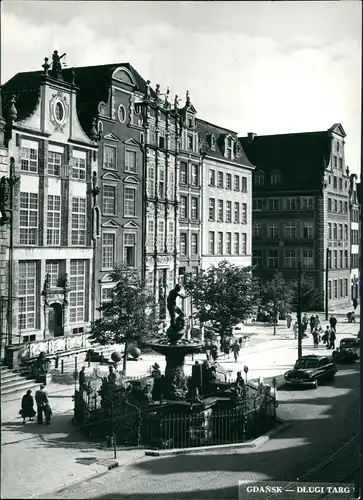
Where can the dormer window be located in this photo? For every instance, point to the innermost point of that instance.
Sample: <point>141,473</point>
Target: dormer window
<point>275,178</point>
<point>213,142</point>
<point>190,121</point>
<point>237,149</point>
<point>228,148</point>
<point>259,179</point>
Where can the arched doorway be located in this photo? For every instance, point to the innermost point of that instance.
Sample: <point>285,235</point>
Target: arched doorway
<point>55,320</point>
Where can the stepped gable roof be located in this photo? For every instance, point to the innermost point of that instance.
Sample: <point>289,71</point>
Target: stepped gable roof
<point>300,158</point>
<point>206,130</point>
<point>92,82</point>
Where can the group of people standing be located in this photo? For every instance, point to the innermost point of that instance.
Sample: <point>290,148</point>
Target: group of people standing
<point>43,406</point>
<point>328,337</point>
<point>227,345</point>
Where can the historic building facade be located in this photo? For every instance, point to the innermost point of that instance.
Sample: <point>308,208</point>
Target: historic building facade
<point>50,251</point>
<point>301,209</point>
<point>226,197</point>
<point>355,235</point>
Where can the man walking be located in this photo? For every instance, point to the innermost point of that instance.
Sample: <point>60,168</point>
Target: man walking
<point>42,401</point>
<point>236,349</point>
<point>332,338</point>
<point>288,320</point>
<point>82,379</point>
<point>296,328</point>
<point>305,322</point>
<point>333,324</point>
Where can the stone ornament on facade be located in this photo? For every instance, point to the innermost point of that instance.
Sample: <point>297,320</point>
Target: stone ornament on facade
<point>59,111</point>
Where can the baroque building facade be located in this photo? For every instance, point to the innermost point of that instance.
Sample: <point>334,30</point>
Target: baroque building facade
<point>301,210</point>
<point>226,197</point>
<point>355,235</point>
<point>50,251</point>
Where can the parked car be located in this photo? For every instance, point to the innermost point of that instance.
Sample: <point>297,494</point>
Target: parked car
<point>311,370</point>
<point>347,351</point>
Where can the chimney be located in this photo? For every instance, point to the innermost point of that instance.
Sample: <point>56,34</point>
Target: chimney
<point>250,137</point>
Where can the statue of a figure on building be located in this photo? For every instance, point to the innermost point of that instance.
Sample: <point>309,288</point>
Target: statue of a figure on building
<point>176,102</point>
<point>46,288</point>
<point>147,90</point>
<point>56,64</point>
<point>173,309</point>
<point>157,90</point>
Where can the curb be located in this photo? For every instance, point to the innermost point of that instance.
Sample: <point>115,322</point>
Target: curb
<point>256,443</point>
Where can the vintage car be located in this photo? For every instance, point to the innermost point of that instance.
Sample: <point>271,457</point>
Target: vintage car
<point>347,351</point>
<point>311,370</point>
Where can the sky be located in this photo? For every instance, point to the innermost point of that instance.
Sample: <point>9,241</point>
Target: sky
<point>262,67</point>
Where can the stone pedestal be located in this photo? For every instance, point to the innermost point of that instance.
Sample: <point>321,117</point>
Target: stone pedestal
<point>13,355</point>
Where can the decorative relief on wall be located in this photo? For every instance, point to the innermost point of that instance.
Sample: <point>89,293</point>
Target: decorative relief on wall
<point>59,111</point>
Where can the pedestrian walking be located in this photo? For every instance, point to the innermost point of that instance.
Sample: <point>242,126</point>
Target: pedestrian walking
<point>317,322</point>
<point>43,406</point>
<point>288,320</point>
<point>236,348</point>
<point>315,334</point>
<point>295,329</point>
<point>27,406</point>
<point>214,352</point>
<point>332,338</point>
<point>312,323</point>
<point>333,323</point>
<point>355,303</point>
<point>82,379</point>
<point>305,322</point>
<point>325,337</point>
<point>240,341</point>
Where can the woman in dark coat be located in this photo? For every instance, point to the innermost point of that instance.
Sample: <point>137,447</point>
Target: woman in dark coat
<point>27,406</point>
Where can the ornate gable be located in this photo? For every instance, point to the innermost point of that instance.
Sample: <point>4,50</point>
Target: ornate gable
<point>111,137</point>
<point>337,128</point>
<point>109,176</point>
<point>131,225</point>
<point>131,179</point>
<point>131,142</point>
<point>111,224</point>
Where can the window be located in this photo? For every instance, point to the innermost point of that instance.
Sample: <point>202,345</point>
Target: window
<point>329,205</point>
<point>335,182</point>
<point>335,206</point>
<point>244,184</point>
<point>79,166</point>
<point>244,213</point>
<point>28,224</point>
<point>161,183</point>
<point>183,243</point>
<point>130,161</point>
<point>211,242</point>
<point>220,211</point>
<point>335,231</point>
<point>59,112</point>
<point>78,221</point>
<point>257,204</point>
<point>236,183</point>
<point>194,208</point>
<point>194,244</point>
<point>54,163</point>
<point>273,204</point>
<point>345,287</point>
<point>121,113</point>
<point>161,141</point>
<point>341,290</point>
<point>335,289</point>
<point>195,271</point>
<point>129,250</point>
<point>256,230</point>
<point>308,259</point>
<point>291,203</point>
<point>160,240</point>
<point>290,230</point>
<point>340,231</point>
<point>275,178</point>
<point>259,179</point>
<point>329,290</point>
<point>228,243</point>
<point>27,295</point>
<point>52,268</point>
<point>228,211</point>
<point>108,251</point>
<point>308,229</point>
<point>340,206</point>
<point>329,231</point>
<point>212,178</point>
<point>106,293</point>
<point>335,263</point>
<point>290,259</point>
<point>228,181</point>
<point>184,207</point>
<point>77,294</point>
<point>273,259</point>
<point>273,231</point>
<point>170,236</point>
<point>220,179</point>
<point>244,243</point>
<point>340,259</point>
<point>53,220</point>
<point>236,212</point>
<point>346,264</point>
<point>257,258</point>
<point>29,159</point>
<point>220,244</point>
<point>109,200</point>
<point>151,181</point>
<point>236,244</point>
<point>183,173</point>
<point>345,231</point>
<point>190,141</point>
<point>212,209</point>
<point>212,142</point>
<point>341,184</point>
<point>129,202</point>
<point>29,338</point>
<point>341,163</point>
<point>335,162</point>
<point>306,203</point>
<point>195,182</point>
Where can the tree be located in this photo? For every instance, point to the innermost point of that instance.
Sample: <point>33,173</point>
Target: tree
<point>127,316</point>
<point>276,297</point>
<point>311,297</point>
<point>224,295</point>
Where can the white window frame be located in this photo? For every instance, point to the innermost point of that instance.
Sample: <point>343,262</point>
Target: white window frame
<point>79,164</point>
<point>183,212</point>
<point>211,242</point>
<point>308,259</point>
<point>129,207</point>
<point>29,218</point>
<point>79,221</point>
<point>183,243</point>
<point>220,210</point>
<point>53,219</point>
<point>228,243</point>
<point>54,162</point>
<point>194,175</point>
<point>183,173</point>
<point>130,168</point>
<point>291,231</point>
<point>229,181</point>
<point>52,267</point>
<point>211,177</point>
<point>290,258</point>
<point>273,231</point>
<point>194,208</point>
<point>109,162</point>
<point>237,244</point>
<point>160,237</point>
<point>77,294</point>
<point>151,173</point>
<point>257,230</point>
<point>244,243</point>
<point>273,260</point>
<point>194,244</point>
<point>29,156</point>
<point>108,250</point>
<point>133,246</point>
<point>220,243</point>
<point>27,294</point>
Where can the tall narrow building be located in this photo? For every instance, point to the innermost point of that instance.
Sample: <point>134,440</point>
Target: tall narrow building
<point>355,234</point>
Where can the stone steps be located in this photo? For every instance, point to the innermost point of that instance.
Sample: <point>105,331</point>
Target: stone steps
<point>15,382</point>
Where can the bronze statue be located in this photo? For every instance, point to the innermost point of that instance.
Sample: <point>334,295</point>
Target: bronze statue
<point>173,309</point>
<point>56,64</point>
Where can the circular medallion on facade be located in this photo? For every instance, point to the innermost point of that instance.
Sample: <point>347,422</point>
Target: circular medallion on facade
<point>121,113</point>
<point>59,112</point>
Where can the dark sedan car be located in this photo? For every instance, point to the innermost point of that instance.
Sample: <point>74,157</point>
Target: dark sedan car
<point>348,350</point>
<point>311,370</point>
